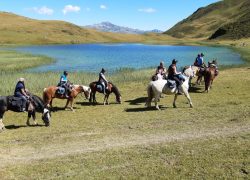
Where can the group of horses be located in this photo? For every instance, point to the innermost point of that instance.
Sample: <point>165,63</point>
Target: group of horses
<point>161,85</point>
<point>45,107</point>
<point>154,91</point>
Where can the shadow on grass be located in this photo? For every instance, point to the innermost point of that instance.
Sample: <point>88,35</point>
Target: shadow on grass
<point>142,109</point>
<point>55,109</point>
<point>137,101</point>
<point>196,89</point>
<point>13,126</point>
<point>95,104</point>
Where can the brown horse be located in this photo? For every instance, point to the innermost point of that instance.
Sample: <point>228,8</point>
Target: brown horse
<point>97,87</point>
<point>49,94</point>
<point>210,73</point>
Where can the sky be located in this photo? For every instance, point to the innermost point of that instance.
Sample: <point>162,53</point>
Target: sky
<point>140,14</point>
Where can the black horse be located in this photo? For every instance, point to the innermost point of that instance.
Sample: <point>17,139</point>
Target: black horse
<point>36,104</point>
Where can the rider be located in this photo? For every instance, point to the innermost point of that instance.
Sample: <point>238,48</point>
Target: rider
<point>64,83</point>
<point>21,92</point>
<point>161,70</point>
<point>174,75</point>
<point>199,61</point>
<point>103,80</point>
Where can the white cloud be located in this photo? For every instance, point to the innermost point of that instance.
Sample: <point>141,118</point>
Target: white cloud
<point>147,10</point>
<point>43,10</point>
<point>103,6</point>
<point>70,8</point>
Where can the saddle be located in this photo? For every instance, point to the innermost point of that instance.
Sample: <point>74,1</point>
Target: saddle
<point>16,104</point>
<point>100,87</point>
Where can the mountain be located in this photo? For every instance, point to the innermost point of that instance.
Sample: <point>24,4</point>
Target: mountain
<point>109,27</point>
<point>228,19</point>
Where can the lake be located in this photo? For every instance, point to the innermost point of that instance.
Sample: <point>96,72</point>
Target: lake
<point>92,57</point>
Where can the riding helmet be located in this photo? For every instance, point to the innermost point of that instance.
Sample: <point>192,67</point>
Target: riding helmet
<point>103,70</point>
<point>174,61</point>
<point>65,73</point>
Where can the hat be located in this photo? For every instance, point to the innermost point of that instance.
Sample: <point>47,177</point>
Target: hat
<point>103,70</point>
<point>21,79</point>
<point>174,61</point>
<point>65,73</point>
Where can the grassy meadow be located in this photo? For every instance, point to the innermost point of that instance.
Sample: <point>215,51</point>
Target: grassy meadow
<point>129,141</point>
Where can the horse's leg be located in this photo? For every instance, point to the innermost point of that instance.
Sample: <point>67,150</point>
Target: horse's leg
<point>91,97</point>
<point>94,99</point>
<point>34,117</point>
<point>28,118</point>
<point>175,98</point>
<point>1,125</point>
<point>106,97</point>
<point>188,97</point>
<point>71,104</point>
<point>157,98</point>
<point>67,103</point>
<point>150,97</point>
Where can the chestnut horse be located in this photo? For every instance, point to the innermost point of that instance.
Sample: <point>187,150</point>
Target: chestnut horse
<point>49,94</point>
<point>111,89</point>
<point>210,73</point>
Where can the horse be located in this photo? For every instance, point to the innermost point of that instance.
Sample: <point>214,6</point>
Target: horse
<point>196,73</point>
<point>111,89</point>
<point>49,94</point>
<point>36,104</point>
<point>210,73</point>
<point>156,88</point>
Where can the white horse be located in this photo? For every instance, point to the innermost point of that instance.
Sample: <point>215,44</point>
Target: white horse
<point>156,88</point>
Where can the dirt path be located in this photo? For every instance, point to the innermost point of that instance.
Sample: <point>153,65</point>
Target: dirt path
<point>28,154</point>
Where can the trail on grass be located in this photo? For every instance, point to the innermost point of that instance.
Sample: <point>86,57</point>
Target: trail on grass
<point>80,145</point>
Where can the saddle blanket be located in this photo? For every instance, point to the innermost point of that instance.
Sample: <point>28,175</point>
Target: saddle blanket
<point>171,84</point>
<point>60,90</point>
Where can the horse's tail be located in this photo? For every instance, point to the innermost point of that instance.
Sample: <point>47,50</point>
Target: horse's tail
<point>45,97</point>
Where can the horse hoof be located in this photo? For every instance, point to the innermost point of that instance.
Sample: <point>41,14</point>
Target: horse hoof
<point>191,106</point>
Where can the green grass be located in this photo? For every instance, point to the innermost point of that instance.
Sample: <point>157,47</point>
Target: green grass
<point>128,141</point>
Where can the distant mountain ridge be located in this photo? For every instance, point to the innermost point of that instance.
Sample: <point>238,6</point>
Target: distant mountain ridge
<point>109,27</point>
<point>228,19</point>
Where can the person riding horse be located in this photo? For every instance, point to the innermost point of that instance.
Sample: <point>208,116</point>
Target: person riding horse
<point>174,75</point>
<point>21,92</point>
<point>161,71</point>
<point>64,83</point>
<point>103,81</point>
<point>199,61</point>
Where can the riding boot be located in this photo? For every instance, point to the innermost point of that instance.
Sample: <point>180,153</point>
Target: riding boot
<point>104,91</point>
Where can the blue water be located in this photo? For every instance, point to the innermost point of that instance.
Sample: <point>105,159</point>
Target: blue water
<point>92,57</point>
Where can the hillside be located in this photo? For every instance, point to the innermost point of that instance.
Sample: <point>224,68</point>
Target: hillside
<point>15,29</point>
<point>225,19</point>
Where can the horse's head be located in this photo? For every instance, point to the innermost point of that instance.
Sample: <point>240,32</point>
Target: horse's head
<point>46,116</point>
<point>86,90</point>
<point>115,90</point>
<point>189,71</point>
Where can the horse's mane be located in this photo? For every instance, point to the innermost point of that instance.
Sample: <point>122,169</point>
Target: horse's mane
<point>115,89</point>
<point>38,102</point>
